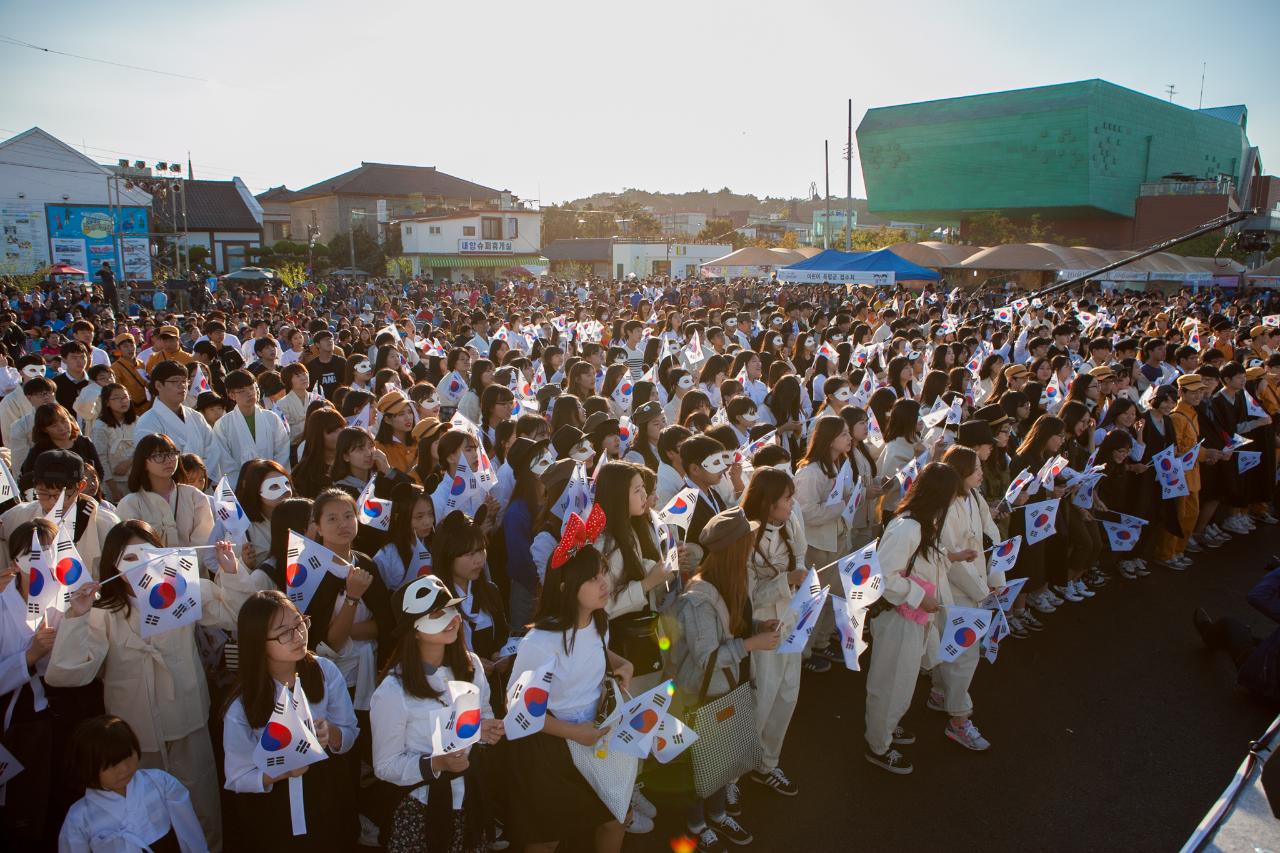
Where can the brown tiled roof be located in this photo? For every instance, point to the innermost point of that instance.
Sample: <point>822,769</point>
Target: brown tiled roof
<point>385,179</point>
<point>211,206</point>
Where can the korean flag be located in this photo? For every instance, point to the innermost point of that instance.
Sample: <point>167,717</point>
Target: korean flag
<point>168,593</point>
<point>863,580</point>
<point>288,742</point>
<point>672,738</point>
<point>306,564</point>
<point>640,719</point>
<point>1004,555</point>
<point>850,623</point>
<point>372,511</point>
<point>527,702</point>
<point>1041,519</point>
<point>458,726</point>
<point>963,628</point>
<point>679,511</point>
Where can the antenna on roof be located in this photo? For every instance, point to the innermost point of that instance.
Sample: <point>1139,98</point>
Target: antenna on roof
<point>1170,91</point>
<point>1203,66</point>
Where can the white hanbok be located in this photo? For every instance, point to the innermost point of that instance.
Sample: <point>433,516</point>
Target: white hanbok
<point>269,439</point>
<point>153,803</point>
<point>190,432</point>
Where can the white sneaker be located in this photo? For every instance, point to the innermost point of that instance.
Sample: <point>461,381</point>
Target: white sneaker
<point>1247,521</point>
<point>1217,532</point>
<point>1083,590</point>
<point>1067,592</point>
<point>641,803</point>
<point>1041,603</point>
<point>639,824</point>
<point>967,735</point>
<point>1234,525</point>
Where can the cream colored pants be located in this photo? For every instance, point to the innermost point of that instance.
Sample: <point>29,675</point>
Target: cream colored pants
<point>190,760</point>
<point>777,680</point>
<point>952,680</point>
<point>826,624</point>
<point>896,653</point>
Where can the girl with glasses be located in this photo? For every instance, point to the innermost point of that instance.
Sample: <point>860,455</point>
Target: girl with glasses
<point>274,656</point>
<point>180,514</point>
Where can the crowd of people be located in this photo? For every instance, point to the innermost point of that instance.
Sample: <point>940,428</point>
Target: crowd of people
<point>424,519</point>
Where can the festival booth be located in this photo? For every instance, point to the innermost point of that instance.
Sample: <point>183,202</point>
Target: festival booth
<point>1267,275</point>
<point>881,267</point>
<point>750,262</point>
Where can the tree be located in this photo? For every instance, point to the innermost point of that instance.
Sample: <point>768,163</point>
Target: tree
<point>719,230</point>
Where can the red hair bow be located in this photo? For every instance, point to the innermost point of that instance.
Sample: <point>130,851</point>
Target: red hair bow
<point>576,534</point>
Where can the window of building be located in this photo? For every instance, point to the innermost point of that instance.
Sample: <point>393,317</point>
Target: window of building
<point>408,230</point>
<point>435,229</point>
<point>513,227</point>
<point>468,231</point>
<point>279,231</point>
<point>491,228</point>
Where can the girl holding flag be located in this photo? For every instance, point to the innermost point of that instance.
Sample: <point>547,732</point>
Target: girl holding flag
<point>439,807</point>
<point>775,568</point>
<point>156,684</point>
<point>1041,444</point>
<point>551,799</point>
<point>407,555</point>
<point>273,658</point>
<point>916,585</point>
<point>968,524</point>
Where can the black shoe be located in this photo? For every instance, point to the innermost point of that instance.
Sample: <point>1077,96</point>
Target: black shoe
<point>732,800</point>
<point>708,841</point>
<point>891,760</point>
<point>730,830</point>
<point>902,737</point>
<point>816,664</point>
<point>776,780</point>
<point>1202,622</point>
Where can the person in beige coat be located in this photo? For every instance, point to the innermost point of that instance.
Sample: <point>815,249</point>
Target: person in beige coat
<point>60,475</point>
<point>157,685</point>
<point>915,587</point>
<point>180,514</point>
<point>968,520</point>
<point>901,445</point>
<point>822,492</point>
<point>774,569</point>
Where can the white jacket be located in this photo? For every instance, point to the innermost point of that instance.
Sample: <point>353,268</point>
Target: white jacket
<point>823,524</point>
<point>105,822</point>
<point>269,440</point>
<point>183,518</point>
<point>768,565</point>
<point>190,432</point>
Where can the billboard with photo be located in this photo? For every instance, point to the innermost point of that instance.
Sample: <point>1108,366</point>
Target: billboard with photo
<point>84,235</point>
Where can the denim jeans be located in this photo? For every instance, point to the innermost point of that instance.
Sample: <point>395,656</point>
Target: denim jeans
<point>699,810</point>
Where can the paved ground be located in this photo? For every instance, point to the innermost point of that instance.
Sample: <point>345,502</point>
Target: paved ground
<point>1111,730</point>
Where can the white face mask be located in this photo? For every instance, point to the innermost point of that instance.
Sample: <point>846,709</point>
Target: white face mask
<point>730,323</point>
<point>134,555</point>
<point>776,322</point>
<point>750,418</point>
<point>33,371</point>
<point>427,625</point>
<point>686,382</point>
<point>541,464</point>
<point>810,343</point>
<point>843,395</point>
<point>777,342</point>
<point>364,367</point>
<point>837,337</point>
<point>581,452</point>
<point>715,463</point>
<point>275,489</point>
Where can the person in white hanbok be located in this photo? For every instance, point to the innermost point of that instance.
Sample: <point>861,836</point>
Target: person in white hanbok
<point>112,435</point>
<point>125,808</point>
<point>248,431</point>
<point>180,514</point>
<point>187,427</point>
<point>156,684</point>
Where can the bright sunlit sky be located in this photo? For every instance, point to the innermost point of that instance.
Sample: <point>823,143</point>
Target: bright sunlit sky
<point>556,100</point>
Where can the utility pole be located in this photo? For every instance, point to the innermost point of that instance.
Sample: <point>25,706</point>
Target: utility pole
<point>1203,66</point>
<point>351,238</point>
<point>826,168</point>
<point>848,222</point>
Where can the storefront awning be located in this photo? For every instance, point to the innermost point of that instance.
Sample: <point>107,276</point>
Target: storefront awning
<point>483,261</point>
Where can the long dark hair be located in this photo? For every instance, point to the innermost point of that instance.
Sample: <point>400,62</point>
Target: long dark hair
<point>319,423</point>
<point>107,416</point>
<point>138,480</point>
<point>904,421</point>
<point>1045,428</point>
<point>767,487</point>
<point>613,493</point>
<point>854,416</point>
<point>291,514</point>
<point>404,499</point>
<point>456,537</point>
<point>405,664</point>
<point>825,430</point>
<point>558,602</point>
<point>927,503</point>
<point>255,686</point>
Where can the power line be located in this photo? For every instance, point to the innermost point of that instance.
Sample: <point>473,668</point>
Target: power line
<point>20,43</point>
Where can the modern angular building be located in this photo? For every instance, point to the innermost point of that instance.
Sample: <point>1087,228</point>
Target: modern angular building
<point>1080,155</point>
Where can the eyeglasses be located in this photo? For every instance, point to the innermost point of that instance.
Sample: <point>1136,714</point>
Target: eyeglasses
<point>163,456</point>
<point>49,494</point>
<point>301,627</point>
<point>176,381</point>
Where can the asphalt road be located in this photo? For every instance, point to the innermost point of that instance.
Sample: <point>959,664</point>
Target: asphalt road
<point>1114,729</point>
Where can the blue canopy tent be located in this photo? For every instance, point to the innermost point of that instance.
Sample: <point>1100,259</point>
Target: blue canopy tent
<point>879,267</point>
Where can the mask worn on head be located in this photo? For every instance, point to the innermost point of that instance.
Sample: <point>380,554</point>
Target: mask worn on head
<point>810,343</point>
<point>582,451</point>
<point>777,342</point>
<point>844,395</point>
<point>364,367</point>
<point>686,382</point>
<point>730,323</point>
<point>275,488</point>
<point>541,464</point>
<point>426,595</point>
<point>750,418</point>
<point>622,359</point>
<point>715,463</point>
<point>776,322</point>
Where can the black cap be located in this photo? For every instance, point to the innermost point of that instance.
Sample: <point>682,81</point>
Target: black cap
<point>975,433</point>
<point>600,424</point>
<point>523,451</point>
<point>58,468</point>
<point>565,438</point>
<point>994,414</point>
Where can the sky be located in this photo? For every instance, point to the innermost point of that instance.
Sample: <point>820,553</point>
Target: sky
<point>557,100</point>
